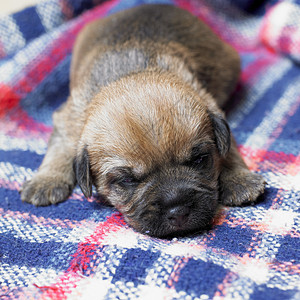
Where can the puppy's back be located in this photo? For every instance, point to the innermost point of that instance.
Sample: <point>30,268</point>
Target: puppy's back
<point>154,36</point>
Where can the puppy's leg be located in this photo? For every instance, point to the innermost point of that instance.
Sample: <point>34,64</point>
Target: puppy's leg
<point>55,178</point>
<point>238,184</point>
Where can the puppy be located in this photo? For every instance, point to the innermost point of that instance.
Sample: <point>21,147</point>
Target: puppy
<point>143,123</point>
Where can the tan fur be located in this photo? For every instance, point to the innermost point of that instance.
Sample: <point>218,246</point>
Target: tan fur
<point>141,102</point>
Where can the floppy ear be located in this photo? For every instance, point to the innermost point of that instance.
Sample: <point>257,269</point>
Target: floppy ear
<point>83,172</point>
<point>222,133</point>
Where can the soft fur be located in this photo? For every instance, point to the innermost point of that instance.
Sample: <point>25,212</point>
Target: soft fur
<point>143,123</point>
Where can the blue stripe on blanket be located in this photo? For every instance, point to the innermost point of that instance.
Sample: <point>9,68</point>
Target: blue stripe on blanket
<point>34,254</point>
<point>229,239</point>
<point>49,94</point>
<point>289,249</point>
<point>141,259</point>
<point>25,159</point>
<point>266,101</point>
<point>263,292</point>
<point>77,210</point>
<point>212,272</point>
<point>26,20</point>
<point>291,130</point>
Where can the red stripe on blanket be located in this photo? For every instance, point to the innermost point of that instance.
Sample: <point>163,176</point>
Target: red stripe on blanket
<point>93,243</point>
<point>8,99</point>
<point>80,265</point>
<point>257,158</point>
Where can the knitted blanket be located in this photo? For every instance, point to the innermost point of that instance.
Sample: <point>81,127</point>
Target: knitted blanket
<point>82,249</point>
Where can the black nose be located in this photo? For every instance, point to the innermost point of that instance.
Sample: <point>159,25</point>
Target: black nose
<point>178,215</point>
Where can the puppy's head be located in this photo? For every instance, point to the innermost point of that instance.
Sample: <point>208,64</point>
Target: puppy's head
<point>153,148</point>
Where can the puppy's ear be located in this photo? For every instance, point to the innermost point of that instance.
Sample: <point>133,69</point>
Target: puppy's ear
<point>83,172</point>
<point>222,133</point>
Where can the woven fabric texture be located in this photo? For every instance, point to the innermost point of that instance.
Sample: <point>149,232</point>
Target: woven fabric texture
<point>82,249</point>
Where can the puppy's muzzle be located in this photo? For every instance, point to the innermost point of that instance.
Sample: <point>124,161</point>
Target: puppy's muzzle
<point>178,216</point>
<point>176,206</point>
<point>174,202</point>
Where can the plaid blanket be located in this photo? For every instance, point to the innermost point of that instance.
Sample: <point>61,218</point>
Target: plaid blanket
<point>82,249</point>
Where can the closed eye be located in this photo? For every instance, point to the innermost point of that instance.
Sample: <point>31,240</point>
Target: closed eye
<point>127,181</point>
<point>122,177</point>
<point>200,161</point>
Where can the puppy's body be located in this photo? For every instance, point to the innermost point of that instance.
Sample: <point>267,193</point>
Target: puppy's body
<point>143,123</point>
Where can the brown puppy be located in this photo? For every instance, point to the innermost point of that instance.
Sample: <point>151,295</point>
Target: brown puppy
<point>143,124</point>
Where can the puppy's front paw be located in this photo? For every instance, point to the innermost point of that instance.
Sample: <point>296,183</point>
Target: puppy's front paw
<point>240,187</point>
<point>44,190</point>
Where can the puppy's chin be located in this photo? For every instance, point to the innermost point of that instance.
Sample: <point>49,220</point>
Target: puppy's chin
<point>160,226</point>
<point>159,222</point>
